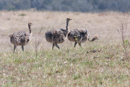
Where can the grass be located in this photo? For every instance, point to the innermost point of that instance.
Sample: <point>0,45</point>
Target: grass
<point>67,67</point>
<point>97,64</point>
<point>22,14</point>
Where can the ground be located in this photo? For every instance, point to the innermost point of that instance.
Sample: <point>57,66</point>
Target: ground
<point>96,64</point>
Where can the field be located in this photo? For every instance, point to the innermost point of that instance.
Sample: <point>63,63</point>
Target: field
<point>101,63</point>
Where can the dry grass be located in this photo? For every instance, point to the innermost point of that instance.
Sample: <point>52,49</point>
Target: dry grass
<point>69,66</point>
<point>103,25</point>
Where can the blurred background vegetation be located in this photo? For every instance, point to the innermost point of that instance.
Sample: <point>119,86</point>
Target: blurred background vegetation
<point>67,5</point>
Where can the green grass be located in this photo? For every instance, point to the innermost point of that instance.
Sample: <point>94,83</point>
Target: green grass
<point>22,14</point>
<point>66,67</point>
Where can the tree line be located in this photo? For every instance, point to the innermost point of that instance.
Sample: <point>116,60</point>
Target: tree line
<point>67,5</point>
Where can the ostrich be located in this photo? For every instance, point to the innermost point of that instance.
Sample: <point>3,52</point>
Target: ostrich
<point>79,36</point>
<point>20,38</point>
<point>57,36</point>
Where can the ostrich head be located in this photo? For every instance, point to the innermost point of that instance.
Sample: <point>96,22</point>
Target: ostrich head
<point>29,24</point>
<point>68,19</point>
<point>95,38</point>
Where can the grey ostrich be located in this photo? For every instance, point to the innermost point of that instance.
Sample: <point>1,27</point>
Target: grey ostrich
<point>20,38</point>
<point>57,36</point>
<point>79,36</point>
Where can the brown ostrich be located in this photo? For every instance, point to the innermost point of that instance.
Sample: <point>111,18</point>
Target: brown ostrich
<point>20,38</point>
<point>79,36</point>
<point>57,36</point>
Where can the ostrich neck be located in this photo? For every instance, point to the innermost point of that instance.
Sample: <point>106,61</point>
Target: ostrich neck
<point>29,28</point>
<point>92,40</point>
<point>67,23</point>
